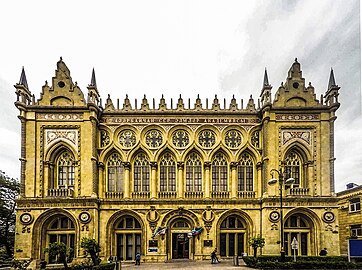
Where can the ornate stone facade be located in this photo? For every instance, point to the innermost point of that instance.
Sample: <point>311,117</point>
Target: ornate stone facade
<point>175,182</point>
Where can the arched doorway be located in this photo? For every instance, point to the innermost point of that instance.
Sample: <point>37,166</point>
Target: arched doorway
<point>300,227</point>
<point>232,236</point>
<point>180,243</point>
<point>128,233</point>
<point>60,229</point>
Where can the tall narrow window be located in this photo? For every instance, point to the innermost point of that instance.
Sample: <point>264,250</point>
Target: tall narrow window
<point>115,173</point>
<point>141,176</point>
<point>167,173</point>
<point>293,166</point>
<point>245,173</point>
<point>193,173</point>
<point>219,170</point>
<point>66,170</point>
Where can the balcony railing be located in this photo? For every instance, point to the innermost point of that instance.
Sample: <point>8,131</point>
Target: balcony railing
<point>246,194</point>
<point>220,194</point>
<point>167,194</point>
<point>114,195</point>
<point>194,194</point>
<point>141,195</point>
<point>298,191</point>
<point>61,192</point>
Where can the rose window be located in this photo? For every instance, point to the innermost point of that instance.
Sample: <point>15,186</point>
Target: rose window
<point>180,138</point>
<point>233,138</point>
<point>127,138</point>
<point>207,138</point>
<point>154,138</point>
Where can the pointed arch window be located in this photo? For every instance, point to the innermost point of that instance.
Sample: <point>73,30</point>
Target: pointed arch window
<point>219,169</point>
<point>141,176</point>
<point>65,170</point>
<point>246,173</point>
<point>193,173</point>
<point>167,173</point>
<point>293,166</point>
<point>115,173</point>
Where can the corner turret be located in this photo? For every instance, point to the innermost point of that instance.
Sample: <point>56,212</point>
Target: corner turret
<point>266,91</point>
<point>332,93</point>
<point>23,93</point>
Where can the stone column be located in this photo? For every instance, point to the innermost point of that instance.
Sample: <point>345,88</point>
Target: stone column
<point>180,182</point>
<point>207,166</point>
<point>234,180</point>
<point>102,180</point>
<point>153,179</point>
<point>127,168</point>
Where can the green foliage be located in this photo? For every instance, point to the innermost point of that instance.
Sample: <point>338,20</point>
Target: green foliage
<point>20,264</point>
<point>61,251</point>
<point>92,248</point>
<point>109,266</point>
<point>9,190</point>
<point>257,242</point>
<point>303,262</point>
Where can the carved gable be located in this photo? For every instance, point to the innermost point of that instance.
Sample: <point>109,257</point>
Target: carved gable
<point>63,91</point>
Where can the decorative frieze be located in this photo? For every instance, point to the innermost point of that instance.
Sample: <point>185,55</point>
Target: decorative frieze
<point>68,135</point>
<point>59,116</point>
<point>288,135</point>
<point>179,120</point>
<point>297,117</point>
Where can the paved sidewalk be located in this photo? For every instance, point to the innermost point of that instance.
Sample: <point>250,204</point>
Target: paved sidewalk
<point>190,265</point>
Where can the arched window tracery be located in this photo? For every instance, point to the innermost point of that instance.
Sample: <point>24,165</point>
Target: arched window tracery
<point>219,169</point>
<point>293,167</point>
<point>246,173</point>
<point>193,173</point>
<point>115,173</point>
<point>167,173</point>
<point>65,170</point>
<point>141,173</point>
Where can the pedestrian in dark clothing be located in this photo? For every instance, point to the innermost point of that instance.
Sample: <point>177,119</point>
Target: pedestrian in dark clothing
<point>214,258</point>
<point>138,259</point>
<point>43,264</point>
<point>323,252</point>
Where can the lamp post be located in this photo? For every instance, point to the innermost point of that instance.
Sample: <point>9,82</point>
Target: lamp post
<point>282,184</point>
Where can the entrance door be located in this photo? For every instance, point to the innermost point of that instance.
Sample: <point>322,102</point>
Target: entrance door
<point>180,246</point>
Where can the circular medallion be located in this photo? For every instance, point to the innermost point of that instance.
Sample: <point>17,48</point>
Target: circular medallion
<point>127,138</point>
<point>233,138</point>
<point>207,138</point>
<point>274,216</point>
<point>26,218</point>
<point>180,138</point>
<point>154,138</point>
<point>328,217</point>
<point>84,217</point>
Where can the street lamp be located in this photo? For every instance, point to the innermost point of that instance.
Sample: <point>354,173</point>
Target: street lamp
<point>282,184</point>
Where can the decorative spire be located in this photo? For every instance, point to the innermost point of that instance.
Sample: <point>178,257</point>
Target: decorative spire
<point>162,105</point>
<point>215,104</point>
<point>266,80</point>
<point>144,104</point>
<point>23,80</point>
<point>332,81</point>
<point>233,105</point>
<point>251,105</point>
<point>198,105</point>
<point>180,103</point>
<point>109,104</point>
<point>127,104</point>
<point>93,79</point>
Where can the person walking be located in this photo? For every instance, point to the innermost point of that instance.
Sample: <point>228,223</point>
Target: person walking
<point>138,259</point>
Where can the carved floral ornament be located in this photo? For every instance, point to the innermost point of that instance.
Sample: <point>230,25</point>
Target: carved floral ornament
<point>127,138</point>
<point>154,138</point>
<point>104,137</point>
<point>68,135</point>
<point>297,134</point>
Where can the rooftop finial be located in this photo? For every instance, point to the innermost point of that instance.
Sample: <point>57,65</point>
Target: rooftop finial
<point>23,80</point>
<point>61,58</point>
<point>93,79</point>
<point>266,80</point>
<point>332,81</point>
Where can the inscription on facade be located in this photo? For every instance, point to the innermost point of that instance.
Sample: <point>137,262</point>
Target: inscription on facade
<point>179,120</point>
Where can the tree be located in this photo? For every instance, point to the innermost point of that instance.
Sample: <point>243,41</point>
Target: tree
<point>9,190</point>
<point>257,242</point>
<point>92,248</point>
<point>61,251</point>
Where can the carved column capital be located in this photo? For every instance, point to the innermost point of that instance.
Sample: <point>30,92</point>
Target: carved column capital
<point>180,165</point>
<point>207,165</point>
<point>233,165</point>
<point>153,165</point>
<point>127,165</point>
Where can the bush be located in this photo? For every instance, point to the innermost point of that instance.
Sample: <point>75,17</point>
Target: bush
<point>109,266</point>
<point>303,262</point>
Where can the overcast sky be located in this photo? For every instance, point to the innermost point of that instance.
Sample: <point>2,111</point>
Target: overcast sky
<point>184,47</point>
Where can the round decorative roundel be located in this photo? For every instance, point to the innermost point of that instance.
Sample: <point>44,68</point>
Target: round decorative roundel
<point>154,138</point>
<point>207,138</point>
<point>274,216</point>
<point>233,138</point>
<point>26,218</point>
<point>84,217</point>
<point>180,138</point>
<point>328,217</point>
<point>127,138</point>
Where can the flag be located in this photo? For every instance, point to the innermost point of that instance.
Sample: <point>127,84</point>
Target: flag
<point>194,232</point>
<point>159,231</point>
